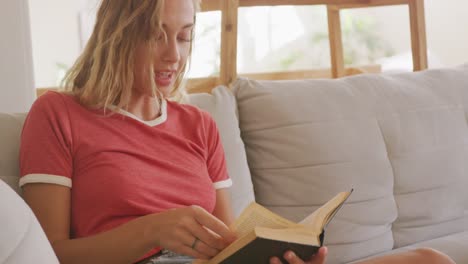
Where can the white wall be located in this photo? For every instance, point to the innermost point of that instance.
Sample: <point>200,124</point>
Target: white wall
<point>448,29</point>
<point>16,70</point>
<point>55,37</point>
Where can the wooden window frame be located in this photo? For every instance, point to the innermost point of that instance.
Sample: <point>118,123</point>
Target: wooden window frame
<point>229,10</point>
<point>229,13</point>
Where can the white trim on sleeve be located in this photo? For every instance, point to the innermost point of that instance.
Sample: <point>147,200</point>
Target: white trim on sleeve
<point>223,184</point>
<point>45,178</point>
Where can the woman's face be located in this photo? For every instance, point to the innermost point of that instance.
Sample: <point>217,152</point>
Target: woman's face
<point>171,49</point>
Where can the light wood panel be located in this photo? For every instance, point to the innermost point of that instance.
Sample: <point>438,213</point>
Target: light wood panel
<point>371,3</point>
<point>202,85</point>
<point>41,91</point>
<point>336,43</point>
<point>205,85</point>
<point>311,74</point>
<point>213,5</point>
<point>229,10</point>
<point>228,67</point>
<point>418,35</point>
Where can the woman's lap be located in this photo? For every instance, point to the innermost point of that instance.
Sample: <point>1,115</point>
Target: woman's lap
<point>422,255</point>
<point>167,257</point>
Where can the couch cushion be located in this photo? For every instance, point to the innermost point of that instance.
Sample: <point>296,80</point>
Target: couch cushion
<point>10,132</point>
<point>22,239</point>
<point>398,140</point>
<point>307,141</point>
<point>453,245</point>
<point>221,104</point>
<point>423,123</point>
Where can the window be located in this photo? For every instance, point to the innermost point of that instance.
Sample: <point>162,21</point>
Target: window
<point>279,38</point>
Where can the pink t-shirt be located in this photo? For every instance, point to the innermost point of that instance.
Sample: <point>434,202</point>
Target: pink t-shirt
<point>119,167</point>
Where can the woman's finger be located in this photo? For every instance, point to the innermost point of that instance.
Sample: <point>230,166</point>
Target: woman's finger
<point>217,226</point>
<point>208,237</point>
<point>292,258</point>
<point>204,249</point>
<point>320,257</point>
<point>275,260</point>
<point>188,251</point>
<point>183,237</point>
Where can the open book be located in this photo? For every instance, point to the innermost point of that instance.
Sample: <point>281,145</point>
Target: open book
<point>263,234</point>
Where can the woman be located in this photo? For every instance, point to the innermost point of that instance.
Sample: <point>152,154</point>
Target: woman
<point>147,173</point>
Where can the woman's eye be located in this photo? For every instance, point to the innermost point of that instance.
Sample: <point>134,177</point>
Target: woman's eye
<point>185,37</point>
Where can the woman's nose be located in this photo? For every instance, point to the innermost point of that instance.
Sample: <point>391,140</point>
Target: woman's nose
<point>171,52</point>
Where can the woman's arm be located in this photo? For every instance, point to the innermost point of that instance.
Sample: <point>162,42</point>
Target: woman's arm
<point>174,229</point>
<point>223,208</point>
<point>51,204</point>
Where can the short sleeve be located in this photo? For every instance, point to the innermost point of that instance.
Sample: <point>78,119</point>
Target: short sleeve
<point>45,150</point>
<point>216,161</point>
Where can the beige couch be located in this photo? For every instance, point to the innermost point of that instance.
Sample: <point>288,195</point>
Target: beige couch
<point>401,141</point>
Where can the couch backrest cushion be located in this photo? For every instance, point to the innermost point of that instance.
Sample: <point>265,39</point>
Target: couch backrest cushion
<point>398,140</point>
<point>424,125</point>
<point>221,104</point>
<point>307,141</point>
<point>10,132</point>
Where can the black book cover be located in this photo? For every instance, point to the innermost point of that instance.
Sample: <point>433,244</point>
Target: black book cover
<point>261,250</point>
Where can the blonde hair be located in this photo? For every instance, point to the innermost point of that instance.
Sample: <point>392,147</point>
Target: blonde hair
<point>103,75</point>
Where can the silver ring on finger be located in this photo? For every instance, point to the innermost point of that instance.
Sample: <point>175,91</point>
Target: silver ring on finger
<point>194,244</point>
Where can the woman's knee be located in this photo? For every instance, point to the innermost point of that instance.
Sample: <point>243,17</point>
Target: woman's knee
<point>432,256</point>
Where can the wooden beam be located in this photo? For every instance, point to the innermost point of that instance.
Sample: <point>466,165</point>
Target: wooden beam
<point>371,3</point>
<point>205,85</point>
<point>336,43</point>
<point>201,85</point>
<point>291,75</point>
<point>228,67</point>
<point>210,5</point>
<point>418,35</point>
<point>246,3</point>
<point>213,5</point>
<point>311,74</point>
<point>41,91</point>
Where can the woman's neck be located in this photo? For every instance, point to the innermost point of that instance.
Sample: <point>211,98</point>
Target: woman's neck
<point>145,107</point>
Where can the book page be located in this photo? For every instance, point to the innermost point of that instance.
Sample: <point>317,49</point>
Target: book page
<point>257,215</point>
<point>322,216</point>
<point>292,235</point>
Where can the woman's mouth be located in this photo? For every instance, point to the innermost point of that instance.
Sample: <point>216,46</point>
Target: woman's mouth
<point>163,78</point>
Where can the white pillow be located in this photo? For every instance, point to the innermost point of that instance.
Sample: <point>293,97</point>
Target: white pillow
<point>221,104</point>
<point>22,239</point>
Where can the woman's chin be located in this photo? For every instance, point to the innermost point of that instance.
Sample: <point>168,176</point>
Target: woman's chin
<point>165,90</point>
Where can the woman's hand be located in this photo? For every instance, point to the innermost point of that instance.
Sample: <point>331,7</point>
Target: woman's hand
<point>191,231</point>
<point>319,258</point>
